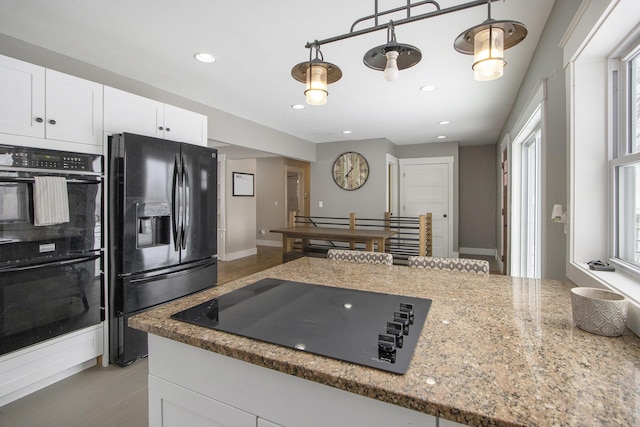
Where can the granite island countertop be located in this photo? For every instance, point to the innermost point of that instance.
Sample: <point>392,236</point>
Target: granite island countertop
<point>495,350</point>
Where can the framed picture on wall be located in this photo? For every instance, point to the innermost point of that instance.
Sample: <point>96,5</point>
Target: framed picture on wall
<point>243,184</point>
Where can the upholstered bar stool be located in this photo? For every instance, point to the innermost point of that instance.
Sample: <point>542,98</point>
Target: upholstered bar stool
<point>362,257</point>
<point>452,264</point>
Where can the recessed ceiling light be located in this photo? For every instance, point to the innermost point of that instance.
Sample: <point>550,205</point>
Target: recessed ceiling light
<point>444,122</point>
<point>441,137</point>
<point>297,106</point>
<point>346,132</point>
<point>204,57</point>
<point>428,88</point>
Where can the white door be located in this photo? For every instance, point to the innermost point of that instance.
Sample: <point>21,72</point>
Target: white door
<point>426,185</point>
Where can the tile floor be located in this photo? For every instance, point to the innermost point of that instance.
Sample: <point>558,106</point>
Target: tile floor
<point>96,397</point>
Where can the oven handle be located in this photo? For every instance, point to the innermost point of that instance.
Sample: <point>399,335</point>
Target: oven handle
<point>50,264</point>
<point>69,180</point>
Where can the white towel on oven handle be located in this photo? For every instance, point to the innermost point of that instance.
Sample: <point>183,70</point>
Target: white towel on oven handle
<point>50,200</point>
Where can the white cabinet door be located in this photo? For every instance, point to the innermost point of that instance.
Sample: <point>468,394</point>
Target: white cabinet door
<point>183,125</point>
<point>73,109</point>
<point>21,98</point>
<point>126,112</point>
<point>41,103</point>
<point>173,406</point>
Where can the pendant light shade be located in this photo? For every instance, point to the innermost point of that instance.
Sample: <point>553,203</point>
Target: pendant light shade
<point>488,54</point>
<point>316,75</point>
<point>487,43</point>
<point>316,92</point>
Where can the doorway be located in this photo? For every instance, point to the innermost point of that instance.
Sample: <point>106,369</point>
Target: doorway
<point>504,256</point>
<point>294,191</point>
<point>426,185</point>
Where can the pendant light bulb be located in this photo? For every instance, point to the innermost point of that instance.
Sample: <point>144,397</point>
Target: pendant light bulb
<point>391,69</point>
<point>489,54</point>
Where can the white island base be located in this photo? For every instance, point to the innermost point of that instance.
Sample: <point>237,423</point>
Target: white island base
<point>189,386</point>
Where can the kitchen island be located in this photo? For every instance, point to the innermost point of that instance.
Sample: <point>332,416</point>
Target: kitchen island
<point>495,350</point>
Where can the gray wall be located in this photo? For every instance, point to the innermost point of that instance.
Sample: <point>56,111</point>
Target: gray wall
<point>369,201</point>
<point>478,197</point>
<point>547,62</point>
<point>240,212</point>
<point>270,173</point>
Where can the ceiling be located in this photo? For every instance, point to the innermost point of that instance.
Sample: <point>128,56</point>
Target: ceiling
<point>257,42</point>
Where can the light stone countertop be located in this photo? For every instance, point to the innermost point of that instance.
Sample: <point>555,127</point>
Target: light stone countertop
<point>495,350</point>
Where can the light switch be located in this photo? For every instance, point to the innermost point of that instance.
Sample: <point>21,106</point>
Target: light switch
<point>320,204</point>
<point>275,203</point>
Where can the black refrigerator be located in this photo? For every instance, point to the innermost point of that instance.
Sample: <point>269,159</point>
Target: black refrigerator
<point>162,199</point>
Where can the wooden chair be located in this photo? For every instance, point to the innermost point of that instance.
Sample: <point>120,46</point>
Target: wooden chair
<point>451,264</point>
<point>361,257</point>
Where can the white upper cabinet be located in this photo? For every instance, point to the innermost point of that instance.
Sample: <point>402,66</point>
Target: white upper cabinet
<point>184,125</point>
<point>42,103</point>
<point>126,112</point>
<point>21,98</point>
<point>73,109</point>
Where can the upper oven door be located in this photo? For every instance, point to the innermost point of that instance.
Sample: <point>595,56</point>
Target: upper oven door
<point>22,242</point>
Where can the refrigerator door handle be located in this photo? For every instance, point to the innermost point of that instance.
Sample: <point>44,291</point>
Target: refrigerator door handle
<point>175,207</point>
<point>187,205</point>
<point>187,269</point>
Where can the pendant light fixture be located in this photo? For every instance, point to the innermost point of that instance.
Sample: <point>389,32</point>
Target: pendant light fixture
<point>392,56</point>
<point>487,42</point>
<point>316,75</point>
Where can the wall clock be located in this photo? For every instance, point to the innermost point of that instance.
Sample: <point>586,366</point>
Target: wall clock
<point>350,170</point>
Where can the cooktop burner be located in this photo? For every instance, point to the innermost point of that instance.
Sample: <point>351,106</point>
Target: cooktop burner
<point>368,328</point>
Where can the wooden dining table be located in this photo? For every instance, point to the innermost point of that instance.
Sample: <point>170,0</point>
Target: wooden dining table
<point>373,239</point>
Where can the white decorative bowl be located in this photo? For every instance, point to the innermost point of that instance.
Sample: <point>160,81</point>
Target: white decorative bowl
<point>599,311</point>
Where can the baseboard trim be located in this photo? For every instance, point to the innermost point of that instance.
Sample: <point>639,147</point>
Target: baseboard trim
<point>240,254</point>
<point>478,251</point>
<point>272,243</point>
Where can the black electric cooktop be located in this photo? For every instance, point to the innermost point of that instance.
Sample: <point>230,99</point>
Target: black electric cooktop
<point>368,328</point>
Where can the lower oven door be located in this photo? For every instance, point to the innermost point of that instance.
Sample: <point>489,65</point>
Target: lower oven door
<point>43,301</point>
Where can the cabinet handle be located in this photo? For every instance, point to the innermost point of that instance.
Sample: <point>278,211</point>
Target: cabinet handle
<point>39,119</point>
<point>161,128</point>
<point>52,122</point>
<point>168,130</point>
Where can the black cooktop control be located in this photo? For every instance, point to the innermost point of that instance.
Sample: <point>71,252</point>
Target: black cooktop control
<point>368,328</point>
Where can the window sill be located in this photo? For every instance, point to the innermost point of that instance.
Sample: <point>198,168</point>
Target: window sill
<point>618,281</point>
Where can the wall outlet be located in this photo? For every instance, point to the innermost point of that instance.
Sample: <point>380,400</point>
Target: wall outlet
<point>320,204</point>
<point>275,203</point>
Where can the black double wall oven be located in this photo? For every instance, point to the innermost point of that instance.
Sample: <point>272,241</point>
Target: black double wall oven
<point>51,266</point>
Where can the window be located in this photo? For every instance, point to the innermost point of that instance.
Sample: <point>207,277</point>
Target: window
<point>531,250</point>
<point>625,161</point>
